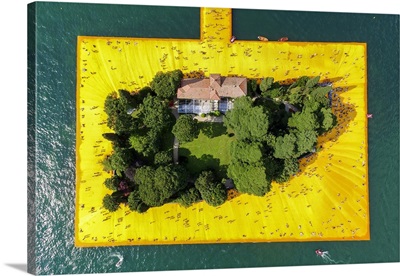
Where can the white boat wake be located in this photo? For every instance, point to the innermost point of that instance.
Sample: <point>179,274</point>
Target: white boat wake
<point>120,259</point>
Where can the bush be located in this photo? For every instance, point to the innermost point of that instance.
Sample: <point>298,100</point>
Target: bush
<point>135,203</point>
<point>163,158</point>
<point>186,129</point>
<point>166,84</point>
<point>157,186</point>
<point>249,179</point>
<point>112,183</point>
<point>188,196</point>
<point>211,191</point>
<point>110,203</point>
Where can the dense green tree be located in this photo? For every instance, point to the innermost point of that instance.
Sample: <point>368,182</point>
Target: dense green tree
<point>155,114</point>
<point>128,100</point>
<point>312,82</point>
<point>249,179</point>
<point>117,140</point>
<point>166,84</point>
<point>273,166</point>
<point>304,120</point>
<point>275,93</point>
<point>135,203</point>
<point>319,95</point>
<point>249,152</point>
<point>188,196</point>
<point>327,120</point>
<point>156,186</point>
<point>266,84</point>
<point>294,95</point>
<point>119,160</point>
<point>147,144</point>
<point>270,140</point>
<point>311,105</point>
<point>212,191</point>
<point>163,158</point>
<point>289,168</point>
<point>285,146</point>
<point>186,129</point>
<point>300,82</point>
<point>110,203</point>
<point>143,93</point>
<point>117,117</point>
<point>252,87</point>
<point>112,183</point>
<point>148,190</point>
<point>247,121</point>
<point>305,141</point>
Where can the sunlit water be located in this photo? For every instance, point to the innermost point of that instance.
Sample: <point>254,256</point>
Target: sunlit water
<point>58,25</point>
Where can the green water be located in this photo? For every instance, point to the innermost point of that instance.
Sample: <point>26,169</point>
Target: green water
<point>55,37</point>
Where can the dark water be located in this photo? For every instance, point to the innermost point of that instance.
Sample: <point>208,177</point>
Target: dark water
<point>59,24</point>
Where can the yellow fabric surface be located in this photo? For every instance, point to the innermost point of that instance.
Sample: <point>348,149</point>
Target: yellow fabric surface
<point>328,200</point>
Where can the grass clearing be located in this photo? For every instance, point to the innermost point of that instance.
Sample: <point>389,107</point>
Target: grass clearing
<point>211,150</point>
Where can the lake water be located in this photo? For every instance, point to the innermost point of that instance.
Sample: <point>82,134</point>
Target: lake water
<point>59,24</point>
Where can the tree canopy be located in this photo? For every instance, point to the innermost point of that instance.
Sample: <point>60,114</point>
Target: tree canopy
<point>135,203</point>
<point>304,120</point>
<point>155,114</point>
<point>146,143</point>
<point>249,179</point>
<point>305,141</point>
<point>116,109</point>
<point>266,84</point>
<point>119,160</point>
<point>267,141</point>
<point>327,120</point>
<point>112,183</point>
<point>212,191</point>
<point>110,203</point>
<point>188,196</point>
<point>289,167</point>
<point>163,158</point>
<point>157,185</point>
<point>246,151</point>
<point>285,146</point>
<point>166,84</point>
<point>246,120</point>
<point>186,128</point>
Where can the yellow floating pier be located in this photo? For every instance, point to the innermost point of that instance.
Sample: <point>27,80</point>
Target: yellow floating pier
<point>327,201</point>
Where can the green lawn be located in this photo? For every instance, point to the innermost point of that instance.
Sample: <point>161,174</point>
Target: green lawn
<point>211,150</point>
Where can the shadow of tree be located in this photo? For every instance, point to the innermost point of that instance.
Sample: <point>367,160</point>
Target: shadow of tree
<point>212,130</point>
<point>206,162</point>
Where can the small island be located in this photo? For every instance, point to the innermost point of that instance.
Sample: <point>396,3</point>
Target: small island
<point>268,126</point>
<point>248,140</point>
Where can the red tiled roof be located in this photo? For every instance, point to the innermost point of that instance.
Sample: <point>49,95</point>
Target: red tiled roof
<point>212,88</point>
<point>194,89</point>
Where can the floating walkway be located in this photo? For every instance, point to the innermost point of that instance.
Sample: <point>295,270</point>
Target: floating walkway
<point>327,201</point>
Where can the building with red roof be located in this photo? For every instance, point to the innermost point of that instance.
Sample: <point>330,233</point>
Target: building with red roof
<point>210,94</point>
